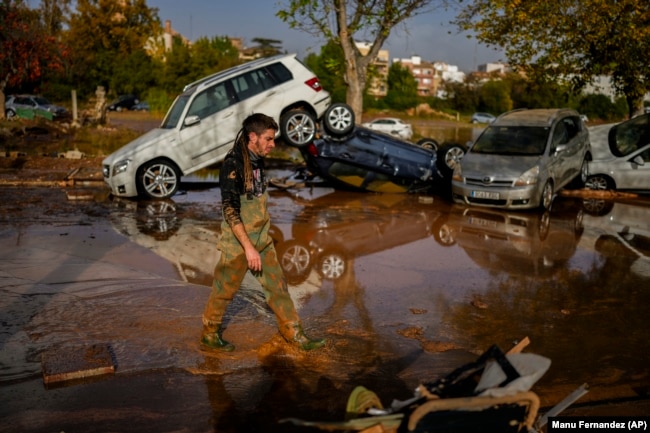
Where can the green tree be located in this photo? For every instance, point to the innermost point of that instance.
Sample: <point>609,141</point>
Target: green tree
<point>402,88</point>
<point>340,20</point>
<point>184,64</point>
<point>495,97</point>
<point>177,68</point>
<point>575,39</point>
<point>267,47</point>
<point>26,50</point>
<point>463,97</point>
<point>54,14</point>
<point>102,34</point>
<point>329,67</point>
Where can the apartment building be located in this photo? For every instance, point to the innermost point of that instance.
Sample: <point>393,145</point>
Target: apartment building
<point>378,85</point>
<point>425,75</point>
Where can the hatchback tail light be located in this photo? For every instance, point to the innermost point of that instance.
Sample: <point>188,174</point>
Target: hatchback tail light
<point>314,84</point>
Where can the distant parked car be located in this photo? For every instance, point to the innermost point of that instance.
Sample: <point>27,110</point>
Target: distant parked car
<point>482,118</point>
<point>522,159</point>
<point>391,125</point>
<point>202,123</point>
<point>621,155</point>
<point>31,102</point>
<point>141,106</point>
<point>123,102</point>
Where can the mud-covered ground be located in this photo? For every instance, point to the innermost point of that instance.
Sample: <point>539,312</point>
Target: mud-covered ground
<point>411,301</point>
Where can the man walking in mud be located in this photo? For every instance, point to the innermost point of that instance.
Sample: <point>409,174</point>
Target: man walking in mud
<point>245,243</point>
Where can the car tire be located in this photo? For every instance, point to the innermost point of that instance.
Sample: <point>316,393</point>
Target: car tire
<point>10,113</point>
<point>449,156</point>
<point>157,219</point>
<point>295,260</point>
<point>428,143</point>
<point>581,179</point>
<point>443,233</point>
<point>546,198</point>
<point>339,120</point>
<point>158,179</point>
<point>331,265</point>
<point>544,225</point>
<point>298,127</point>
<point>600,182</point>
<point>597,207</point>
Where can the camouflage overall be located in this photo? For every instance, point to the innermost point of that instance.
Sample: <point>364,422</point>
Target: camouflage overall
<point>232,267</point>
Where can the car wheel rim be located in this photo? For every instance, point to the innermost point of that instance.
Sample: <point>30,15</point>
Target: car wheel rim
<point>295,260</point>
<point>160,180</point>
<point>339,118</point>
<point>446,235</point>
<point>332,267</point>
<point>301,129</point>
<point>453,157</point>
<point>596,182</point>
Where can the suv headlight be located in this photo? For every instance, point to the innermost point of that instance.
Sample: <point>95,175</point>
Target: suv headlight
<point>530,177</point>
<point>120,166</point>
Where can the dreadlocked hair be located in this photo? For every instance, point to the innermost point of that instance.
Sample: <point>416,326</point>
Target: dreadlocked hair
<point>257,123</point>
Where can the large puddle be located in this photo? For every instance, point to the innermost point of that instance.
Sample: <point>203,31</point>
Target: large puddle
<point>405,291</point>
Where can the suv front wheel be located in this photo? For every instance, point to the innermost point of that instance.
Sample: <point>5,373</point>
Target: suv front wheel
<point>298,127</point>
<point>158,179</point>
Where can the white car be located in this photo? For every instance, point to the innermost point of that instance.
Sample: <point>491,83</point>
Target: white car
<point>482,118</point>
<point>391,125</point>
<point>621,234</point>
<point>621,155</point>
<point>202,123</point>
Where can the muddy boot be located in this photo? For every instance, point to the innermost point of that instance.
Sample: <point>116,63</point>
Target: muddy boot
<point>293,333</point>
<point>212,338</point>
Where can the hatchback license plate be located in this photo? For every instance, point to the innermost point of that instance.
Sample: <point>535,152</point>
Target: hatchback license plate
<point>486,194</point>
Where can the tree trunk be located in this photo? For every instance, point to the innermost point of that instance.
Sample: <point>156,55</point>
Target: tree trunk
<point>354,95</point>
<point>3,97</point>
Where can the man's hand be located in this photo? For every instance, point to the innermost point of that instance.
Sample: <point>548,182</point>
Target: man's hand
<point>254,260</point>
<point>252,255</point>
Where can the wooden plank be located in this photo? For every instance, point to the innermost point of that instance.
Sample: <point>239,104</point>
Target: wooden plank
<point>77,363</point>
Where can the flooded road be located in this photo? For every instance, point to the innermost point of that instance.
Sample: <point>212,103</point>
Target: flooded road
<point>404,290</point>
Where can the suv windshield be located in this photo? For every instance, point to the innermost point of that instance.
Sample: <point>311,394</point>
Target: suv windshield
<point>512,140</point>
<point>174,113</point>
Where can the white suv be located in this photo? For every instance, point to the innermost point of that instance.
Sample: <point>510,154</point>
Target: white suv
<point>201,125</point>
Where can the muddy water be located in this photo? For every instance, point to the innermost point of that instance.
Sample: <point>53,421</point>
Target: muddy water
<point>404,291</point>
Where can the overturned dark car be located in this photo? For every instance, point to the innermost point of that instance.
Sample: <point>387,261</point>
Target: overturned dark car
<point>355,157</point>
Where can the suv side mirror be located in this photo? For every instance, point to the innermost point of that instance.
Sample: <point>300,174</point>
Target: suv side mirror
<point>191,120</point>
<point>638,160</point>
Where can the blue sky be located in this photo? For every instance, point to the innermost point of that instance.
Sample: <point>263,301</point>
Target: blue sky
<point>427,35</point>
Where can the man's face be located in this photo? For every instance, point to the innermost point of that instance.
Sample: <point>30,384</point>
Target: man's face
<point>261,144</point>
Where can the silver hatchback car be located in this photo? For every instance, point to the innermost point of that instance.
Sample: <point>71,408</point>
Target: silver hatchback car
<point>522,159</point>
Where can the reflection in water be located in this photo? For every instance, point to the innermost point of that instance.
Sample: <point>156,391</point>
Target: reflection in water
<point>367,271</point>
<point>331,231</point>
<point>564,280</point>
<point>535,243</point>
